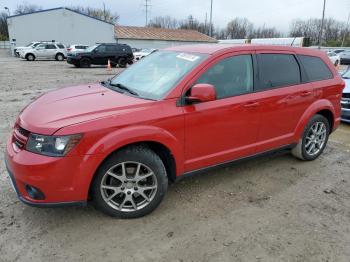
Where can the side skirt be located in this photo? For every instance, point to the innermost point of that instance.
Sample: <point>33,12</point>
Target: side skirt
<point>235,161</point>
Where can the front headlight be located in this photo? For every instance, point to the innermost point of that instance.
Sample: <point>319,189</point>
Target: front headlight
<point>52,145</point>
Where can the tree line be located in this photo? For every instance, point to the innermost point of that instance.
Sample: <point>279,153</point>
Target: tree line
<point>238,28</point>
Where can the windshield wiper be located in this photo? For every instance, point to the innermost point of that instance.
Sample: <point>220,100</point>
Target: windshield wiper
<point>123,87</point>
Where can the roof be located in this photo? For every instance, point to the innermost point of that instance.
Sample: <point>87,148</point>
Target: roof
<point>59,8</point>
<point>150,33</point>
<point>215,48</point>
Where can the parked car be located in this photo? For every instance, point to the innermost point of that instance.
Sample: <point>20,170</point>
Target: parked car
<point>334,57</point>
<point>18,49</point>
<point>143,53</point>
<point>45,51</point>
<point>117,54</point>
<point>76,48</point>
<point>345,101</point>
<point>175,113</point>
<point>345,57</point>
<point>338,51</point>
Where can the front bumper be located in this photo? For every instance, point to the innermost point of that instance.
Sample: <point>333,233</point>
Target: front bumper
<point>64,181</point>
<point>345,115</point>
<point>72,60</point>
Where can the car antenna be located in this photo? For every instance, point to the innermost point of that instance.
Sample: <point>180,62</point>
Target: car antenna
<point>293,41</point>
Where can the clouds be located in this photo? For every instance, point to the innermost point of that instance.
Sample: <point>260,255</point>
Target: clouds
<point>277,13</point>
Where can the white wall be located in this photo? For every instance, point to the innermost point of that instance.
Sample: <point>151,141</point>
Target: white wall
<point>61,25</point>
<point>157,44</point>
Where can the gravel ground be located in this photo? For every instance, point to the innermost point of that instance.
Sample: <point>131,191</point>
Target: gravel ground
<point>272,208</point>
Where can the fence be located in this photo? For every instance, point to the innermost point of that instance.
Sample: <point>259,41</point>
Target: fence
<point>5,45</point>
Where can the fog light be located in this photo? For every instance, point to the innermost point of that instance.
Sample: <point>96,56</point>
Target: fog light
<point>35,193</point>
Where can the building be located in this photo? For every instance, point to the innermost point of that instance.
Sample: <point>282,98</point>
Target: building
<point>147,37</point>
<point>61,25</point>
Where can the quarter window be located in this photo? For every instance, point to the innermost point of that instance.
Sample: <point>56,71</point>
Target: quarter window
<point>231,76</point>
<point>315,68</point>
<point>278,70</point>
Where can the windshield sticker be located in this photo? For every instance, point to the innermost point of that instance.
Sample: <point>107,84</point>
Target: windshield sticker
<point>187,57</point>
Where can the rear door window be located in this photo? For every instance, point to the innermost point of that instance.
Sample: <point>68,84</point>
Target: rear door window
<point>60,46</point>
<point>278,70</point>
<point>50,47</point>
<point>315,68</point>
<point>110,48</point>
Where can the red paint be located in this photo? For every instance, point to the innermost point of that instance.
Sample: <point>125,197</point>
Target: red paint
<point>198,134</point>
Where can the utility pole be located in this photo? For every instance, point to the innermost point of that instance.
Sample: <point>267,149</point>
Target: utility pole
<point>322,22</point>
<point>147,6</point>
<point>104,11</point>
<point>205,23</point>
<point>346,31</point>
<point>211,19</point>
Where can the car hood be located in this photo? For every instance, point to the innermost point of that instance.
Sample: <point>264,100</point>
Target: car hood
<point>347,86</point>
<point>72,105</point>
<point>141,53</point>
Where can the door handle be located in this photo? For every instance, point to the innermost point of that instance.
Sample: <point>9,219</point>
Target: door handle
<point>306,93</point>
<point>251,104</point>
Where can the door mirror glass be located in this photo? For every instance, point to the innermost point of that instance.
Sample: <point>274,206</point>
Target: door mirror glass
<point>201,93</point>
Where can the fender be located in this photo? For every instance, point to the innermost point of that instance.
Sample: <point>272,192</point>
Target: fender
<point>322,104</point>
<point>133,134</point>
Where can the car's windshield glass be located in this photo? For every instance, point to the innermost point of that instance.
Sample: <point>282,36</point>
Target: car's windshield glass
<point>90,48</point>
<point>346,74</point>
<point>154,76</point>
<point>29,44</point>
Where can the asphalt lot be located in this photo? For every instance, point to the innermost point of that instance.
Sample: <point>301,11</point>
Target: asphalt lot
<point>272,208</point>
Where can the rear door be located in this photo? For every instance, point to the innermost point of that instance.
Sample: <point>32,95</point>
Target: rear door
<point>283,98</point>
<point>50,50</point>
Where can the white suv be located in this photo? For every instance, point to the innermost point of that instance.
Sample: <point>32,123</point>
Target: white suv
<point>46,50</point>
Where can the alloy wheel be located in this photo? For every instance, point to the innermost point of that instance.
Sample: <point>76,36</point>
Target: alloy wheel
<point>128,186</point>
<point>315,138</point>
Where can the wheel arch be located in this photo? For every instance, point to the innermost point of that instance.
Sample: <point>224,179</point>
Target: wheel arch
<point>323,107</point>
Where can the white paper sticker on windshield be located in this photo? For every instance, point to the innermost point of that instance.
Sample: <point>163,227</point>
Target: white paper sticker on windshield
<point>187,57</point>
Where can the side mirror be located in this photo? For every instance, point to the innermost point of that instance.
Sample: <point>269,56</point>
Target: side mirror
<point>201,93</point>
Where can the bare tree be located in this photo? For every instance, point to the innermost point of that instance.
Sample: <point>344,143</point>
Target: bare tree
<point>26,8</point>
<point>265,32</point>
<point>105,15</point>
<point>239,28</point>
<point>164,22</point>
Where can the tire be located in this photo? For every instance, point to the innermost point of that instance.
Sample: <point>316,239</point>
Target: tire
<point>59,57</point>
<point>313,140</point>
<point>123,194</point>
<point>336,63</point>
<point>85,63</point>
<point>30,57</point>
<point>122,62</point>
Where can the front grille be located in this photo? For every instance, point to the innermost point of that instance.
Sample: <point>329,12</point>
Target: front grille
<point>20,137</point>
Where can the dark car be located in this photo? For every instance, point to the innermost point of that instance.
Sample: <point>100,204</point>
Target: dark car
<point>99,54</point>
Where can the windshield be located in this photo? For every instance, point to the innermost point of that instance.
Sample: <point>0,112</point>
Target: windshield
<point>29,44</point>
<point>90,48</point>
<point>156,74</point>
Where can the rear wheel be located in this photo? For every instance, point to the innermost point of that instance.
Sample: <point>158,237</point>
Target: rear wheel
<point>131,183</point>
<point>313,140</point>
<point>122,62</point>
<point>59,57</point>
<point>30,57</point>
<point>85,63</point>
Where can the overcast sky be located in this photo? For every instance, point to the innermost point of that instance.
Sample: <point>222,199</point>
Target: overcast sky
<point>277,13</point>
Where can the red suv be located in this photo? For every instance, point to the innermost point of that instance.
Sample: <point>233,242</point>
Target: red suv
<point>178,111</point>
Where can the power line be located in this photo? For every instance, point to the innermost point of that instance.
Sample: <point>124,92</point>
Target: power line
<point>147,6</point>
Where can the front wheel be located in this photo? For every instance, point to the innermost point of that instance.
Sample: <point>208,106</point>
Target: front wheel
<point>313,140</point>
<point>131,183</point>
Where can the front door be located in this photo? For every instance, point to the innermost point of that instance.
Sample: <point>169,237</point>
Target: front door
<point>224,129</point>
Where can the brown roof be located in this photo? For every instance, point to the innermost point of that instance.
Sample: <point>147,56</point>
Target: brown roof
<point>133,32</point>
